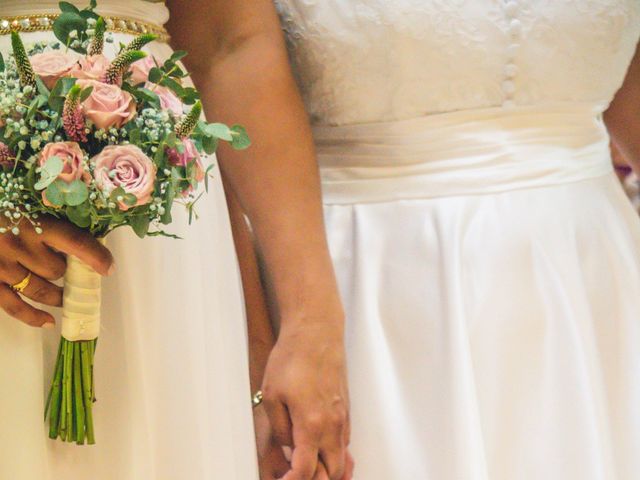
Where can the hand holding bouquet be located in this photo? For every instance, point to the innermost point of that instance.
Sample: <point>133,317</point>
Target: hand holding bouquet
<point>103,143</point>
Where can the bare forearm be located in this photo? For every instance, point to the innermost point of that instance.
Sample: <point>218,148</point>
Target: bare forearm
<point>623,116</point>
<point>259,328</point>
<point>245,79</point>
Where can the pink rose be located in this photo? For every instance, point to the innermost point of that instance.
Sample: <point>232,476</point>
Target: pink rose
<point>128,167</point>
<point>108,105</point>
<point>51,66</point>
<point>140,70</point>
<point>72,160</point>
<point>168,99</point>
<point>92,67</point>
<point>189,155</point>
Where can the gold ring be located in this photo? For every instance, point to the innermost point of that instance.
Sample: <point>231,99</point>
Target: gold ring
<point>21,285</point>
<point>257,399</point>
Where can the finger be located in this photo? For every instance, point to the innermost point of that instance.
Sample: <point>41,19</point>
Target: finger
<point>280,421</point>
<point>275,463</point>
<point>38,289</point>
<point>349,467</point>
<point>17,308</point>
<point>67,238</point>
<point>43,261</point>
<point>334,459</point>
<point>42,291</point>
<point>304,462</point>
<point>321,473</point>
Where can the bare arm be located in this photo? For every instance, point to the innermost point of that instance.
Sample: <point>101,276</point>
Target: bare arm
<point>239,63</point>
<point>623,116</point>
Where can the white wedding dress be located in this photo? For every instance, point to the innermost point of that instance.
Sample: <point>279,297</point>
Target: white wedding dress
<point>488,258</point>
<point>171,364</point>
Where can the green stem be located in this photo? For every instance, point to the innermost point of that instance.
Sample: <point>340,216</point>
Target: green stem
<point>68,376</point>
<point>55,396</point>
<point>78,394</point>
<point>87,382</point>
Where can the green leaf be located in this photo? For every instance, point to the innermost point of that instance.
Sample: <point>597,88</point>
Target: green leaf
<point>66,23</point>
<point>76,193</point>
<point>118,192</point>
<point>168,203</point>
<point>1,63</point>
<point>79,215</point>
<point>135,136</point>
<point>190,96</point>
<point>240,138</point>
<point>130,200</point>
<point>68,7</point>
<point>146,95</point>
<point>218,130</point>
<point>206,177</point>
<point>140,224</point>
<point>155,75</point>
<point>85,94</point>
<point>93,4</point>
<point>42,88</point>
<point>54,194</point>
<point>209,144</point>
<point>49,172</point>
<point>172,85</point>
<point>178,55</point>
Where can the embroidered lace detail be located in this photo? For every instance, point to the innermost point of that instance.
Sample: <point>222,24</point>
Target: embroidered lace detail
<point>362,61</point>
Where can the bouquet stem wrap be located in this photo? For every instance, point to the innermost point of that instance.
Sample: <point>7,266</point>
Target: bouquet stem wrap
<point>70,402</point>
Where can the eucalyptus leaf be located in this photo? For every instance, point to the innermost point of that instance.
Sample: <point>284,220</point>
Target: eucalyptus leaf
<point>79,215</point>
<point>178,55</point>
<point>148,96</point>
<point>49,172</point>
<point>140,224</point>
<point>54,195</point>
<point>76,193</point>
<point>68,7</point>
<point>240,138</point>
<point>66,23</point>
<point>218,130</point>
<point>169,196</point>
<point>155,75</point>
<point>129,199</point>
<point>210,144</point>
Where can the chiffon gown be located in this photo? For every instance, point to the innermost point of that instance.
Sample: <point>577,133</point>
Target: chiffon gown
<point>488,259</point>
<point>171,365</point>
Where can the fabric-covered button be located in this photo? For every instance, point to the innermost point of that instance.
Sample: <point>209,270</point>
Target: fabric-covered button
<point>508,87</point>
<point>510,70</point>
<point>511,8</point>
<point>515,27</point>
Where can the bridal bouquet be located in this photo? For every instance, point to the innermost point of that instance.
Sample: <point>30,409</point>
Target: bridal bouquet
<point>103,143</point>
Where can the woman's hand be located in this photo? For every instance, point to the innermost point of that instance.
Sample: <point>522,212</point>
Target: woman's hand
<point>272,461</point>
<point>307,401</point>
<point>39,254</point>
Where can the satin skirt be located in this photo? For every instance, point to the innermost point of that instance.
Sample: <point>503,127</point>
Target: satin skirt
<point>171,365</point>
<point>489,262</point>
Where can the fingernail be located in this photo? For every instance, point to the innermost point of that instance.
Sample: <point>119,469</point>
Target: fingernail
<point>112,269</point>
<point>49,325</point>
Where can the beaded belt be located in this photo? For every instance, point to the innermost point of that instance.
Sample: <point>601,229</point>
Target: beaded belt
<point>44,22</point>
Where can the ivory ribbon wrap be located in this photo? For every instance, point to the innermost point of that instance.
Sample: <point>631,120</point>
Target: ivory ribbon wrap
<point>81,302</point>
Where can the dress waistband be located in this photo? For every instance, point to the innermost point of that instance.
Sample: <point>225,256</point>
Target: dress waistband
<point>462,153</point>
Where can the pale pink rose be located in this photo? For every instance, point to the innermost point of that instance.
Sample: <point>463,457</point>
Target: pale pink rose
<point>128,167</point>
<point>72,159</point>
<point>140,70</point>
<point>168,99</point>
<point>189,155</point>
<point>51,66</point>
<point>92,67</point>
<point>108,105</point>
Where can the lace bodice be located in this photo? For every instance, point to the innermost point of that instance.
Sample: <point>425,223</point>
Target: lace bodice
<point>361,61</point>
